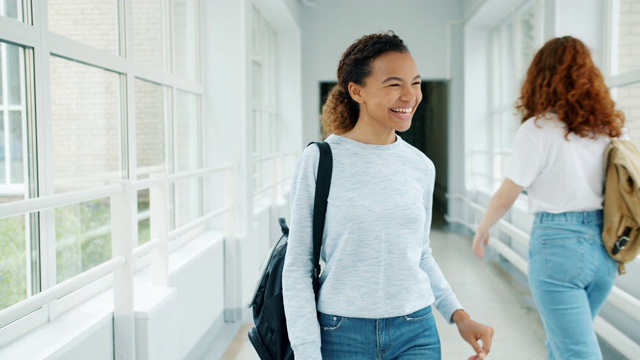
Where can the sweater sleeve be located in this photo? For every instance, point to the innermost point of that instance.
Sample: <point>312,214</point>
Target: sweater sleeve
<point>445,300</point>
<point>297,289</point>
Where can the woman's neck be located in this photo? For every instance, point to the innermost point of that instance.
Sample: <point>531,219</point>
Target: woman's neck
<point>370,135</point>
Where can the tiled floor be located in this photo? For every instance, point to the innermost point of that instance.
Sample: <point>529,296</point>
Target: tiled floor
<point>488,293</point>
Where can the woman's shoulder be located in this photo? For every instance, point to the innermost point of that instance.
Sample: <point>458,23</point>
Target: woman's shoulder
<point>415,154</point>
<point>541,125</point>
<point>543,121</point>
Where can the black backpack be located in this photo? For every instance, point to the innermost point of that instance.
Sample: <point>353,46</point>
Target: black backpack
<point>269,336</point>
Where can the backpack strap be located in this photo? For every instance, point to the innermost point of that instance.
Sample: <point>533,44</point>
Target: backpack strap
<point>323,184</point>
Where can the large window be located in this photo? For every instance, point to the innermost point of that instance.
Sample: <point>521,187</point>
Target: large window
<point>624,61</point>
<point>513,43</point>
<point>16,258</point>
<point>265,114</point>
<point>105,111</point>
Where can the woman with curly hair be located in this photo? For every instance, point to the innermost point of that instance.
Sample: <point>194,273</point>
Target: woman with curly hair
<point>380,278</point>
<point>568,120</point>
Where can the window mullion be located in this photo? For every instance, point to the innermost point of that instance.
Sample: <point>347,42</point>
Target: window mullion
<point>44,155</point>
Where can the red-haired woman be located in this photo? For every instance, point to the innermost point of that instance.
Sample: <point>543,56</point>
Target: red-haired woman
<point>568,119</point>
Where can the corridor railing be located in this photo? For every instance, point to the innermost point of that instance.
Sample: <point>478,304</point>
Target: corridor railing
<point>618,297</point>
<point>277,171</point>
<point>124,219</point>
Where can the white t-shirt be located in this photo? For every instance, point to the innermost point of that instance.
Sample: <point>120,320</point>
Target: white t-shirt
<point>559,174</point>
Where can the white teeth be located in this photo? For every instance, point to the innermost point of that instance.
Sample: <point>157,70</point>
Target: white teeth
<point>403,110</point>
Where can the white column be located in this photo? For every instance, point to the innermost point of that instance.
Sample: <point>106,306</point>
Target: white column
<point>124,231</point>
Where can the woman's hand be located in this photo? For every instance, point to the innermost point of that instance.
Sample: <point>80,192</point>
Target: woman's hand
<point>499,204</point>
<point>480,240</point>
<point>472,331</point>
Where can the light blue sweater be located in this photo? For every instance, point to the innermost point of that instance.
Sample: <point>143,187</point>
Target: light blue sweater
<point>375,244</point>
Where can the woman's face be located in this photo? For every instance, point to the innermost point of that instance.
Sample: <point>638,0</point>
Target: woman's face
<point>390,94</point>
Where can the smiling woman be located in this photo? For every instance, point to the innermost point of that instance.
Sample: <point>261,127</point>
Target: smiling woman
<point>390,95</point>
<point>380,272</point>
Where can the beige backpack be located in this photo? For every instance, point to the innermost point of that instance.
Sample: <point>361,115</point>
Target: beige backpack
<point>621,232</point>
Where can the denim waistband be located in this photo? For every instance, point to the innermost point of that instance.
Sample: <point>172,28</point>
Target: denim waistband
<point>584,217</point>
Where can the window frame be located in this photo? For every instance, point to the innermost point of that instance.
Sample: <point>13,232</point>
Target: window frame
<point>265,113</point>
<point>505,53</point>
<point>32,33</point>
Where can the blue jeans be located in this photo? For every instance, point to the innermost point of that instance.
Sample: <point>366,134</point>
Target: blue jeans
<point>409,337</point>
<point>570,275</point>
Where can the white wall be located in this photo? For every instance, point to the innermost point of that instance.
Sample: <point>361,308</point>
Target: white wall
<point>332,25</point>
<point>469,7</point>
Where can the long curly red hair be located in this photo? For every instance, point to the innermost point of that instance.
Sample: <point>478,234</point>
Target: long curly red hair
<point>563,79</point>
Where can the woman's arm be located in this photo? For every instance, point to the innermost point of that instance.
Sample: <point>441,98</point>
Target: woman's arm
<point>499,204</point>
<point>297,290</point>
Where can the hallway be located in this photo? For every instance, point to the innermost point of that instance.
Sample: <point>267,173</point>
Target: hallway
<point>489,294</point>
<point>147,149</point>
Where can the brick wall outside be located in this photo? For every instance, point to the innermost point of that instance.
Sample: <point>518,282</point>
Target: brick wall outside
<point>150,123</point>
<point>85,125</point>
<point>86,108</point>
<point>148,38</point>
<point>94,23</point>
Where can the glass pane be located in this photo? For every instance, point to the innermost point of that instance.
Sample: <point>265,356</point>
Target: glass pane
<point>187,131</point>
<point>83,237</point>
<point>629,36</point>
<point>12,124</point>
<point>13,261</point>
<point>151,111</point>
<point>508,69</point>
<point>187,201</point>
<point>257,85</point>
<point>186,38</point>
<point>627,101</point>
<point>14,74</point>
<point>16,147</point>
<point>526,39</point>
<point>144,233</point>
<point>3,152</point>
<point>187,143</point>
<point>151,106</point>
<point>255,32</point>
<point>85,125</point>
<point>94,23</point>
<point>496,68</point>
<point>148,35</point>
<point>11,9</point>
<point>2,73</point>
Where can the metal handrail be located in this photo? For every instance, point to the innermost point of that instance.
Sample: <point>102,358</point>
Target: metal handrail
<point>146,248</point>
<point>274,155</point>
<point>33,303</point>
<point>618,297</point>
<point>196,173</point>
<point>144,184</point>
<point>194,224</point>
<point>58,200</point>
<point>36,301</point>
<point>271,186</point>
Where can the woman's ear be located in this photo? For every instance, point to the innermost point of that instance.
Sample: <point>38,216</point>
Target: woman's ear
<point>355,91</point>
